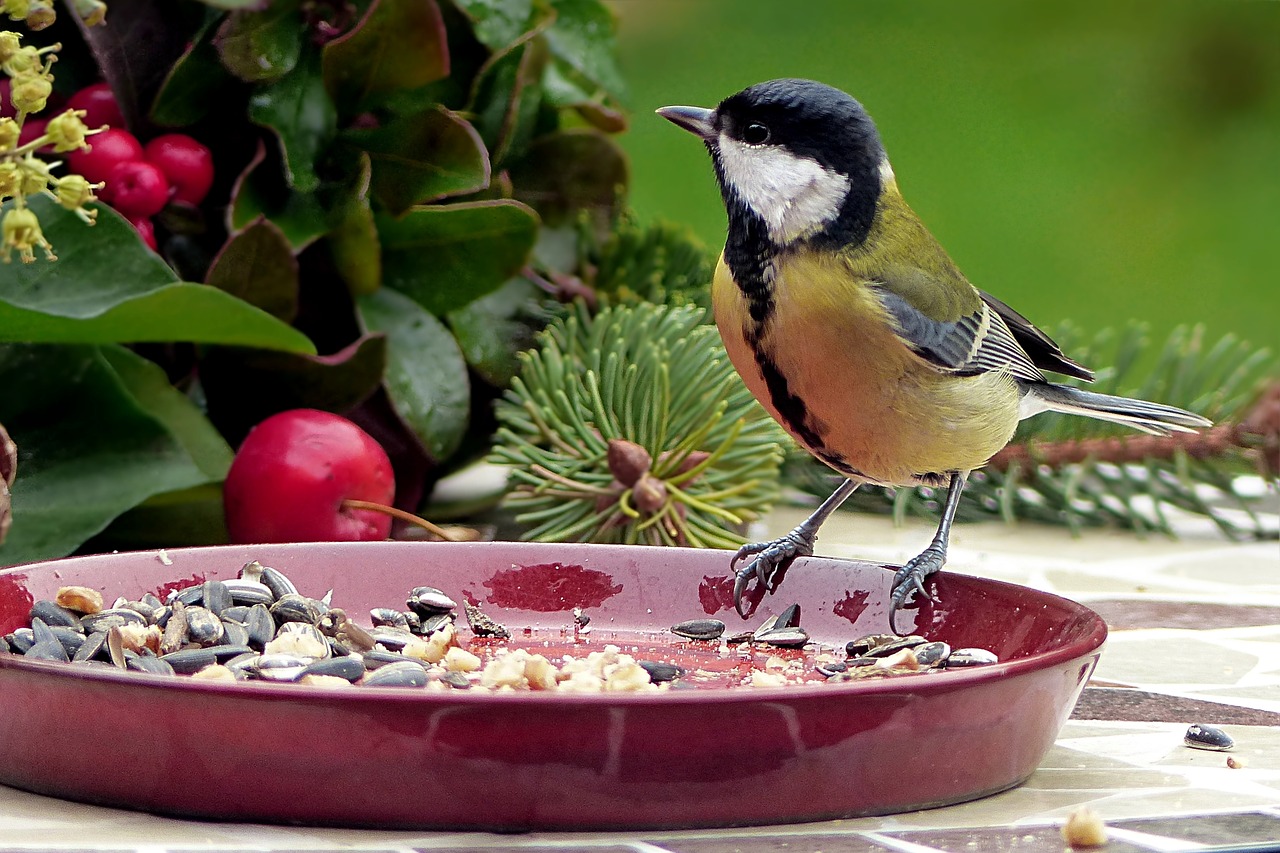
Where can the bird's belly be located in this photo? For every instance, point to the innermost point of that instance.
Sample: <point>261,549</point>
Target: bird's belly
<point>847,389</point>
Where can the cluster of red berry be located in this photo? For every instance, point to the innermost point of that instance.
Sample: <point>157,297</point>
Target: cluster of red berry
<point>140,180</point>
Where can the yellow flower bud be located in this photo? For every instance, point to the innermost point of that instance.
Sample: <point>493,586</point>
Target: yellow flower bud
<point>35,175</point>
<point>21,61</point>
<point>66,131</point>
<point>10,42</point>
<point>41,15</point>
<point>30,92</point>
<point>20,229</point>
<point>9,134</point>
<point>10,179</point>
<point>75,190</point>
<point>17,10</point>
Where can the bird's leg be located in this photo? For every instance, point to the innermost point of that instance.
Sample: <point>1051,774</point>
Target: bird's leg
<point>771,557</point>
<point>910,578</point>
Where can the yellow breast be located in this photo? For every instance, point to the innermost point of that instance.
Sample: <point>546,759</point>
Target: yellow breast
<point>829,367</point>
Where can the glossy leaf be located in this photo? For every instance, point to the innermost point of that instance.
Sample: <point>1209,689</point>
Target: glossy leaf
<point>507,96</point>
<point>353,239</point>
<point>194,85</point>
<point>571,171</point>
<point>260,46</point>
<point>133,297</point>
<point>498,23</point>
<point>300,113</point>
<point>426,373</point>
<point>585,72</point>
<point>495,328</point>
<point>423,157</point>
<point>399,44</point>
<point>445,256</point>
<point>67,406</point>
<point>244,386</point>
<point>258,266</point>
<point>261,191</point>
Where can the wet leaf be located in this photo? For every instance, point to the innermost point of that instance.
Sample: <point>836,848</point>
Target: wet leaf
<point>196,82</point>
<point>585,72</point>
<point>498,23</point>
<point>260,190</point>
<point>258,266</point>
<point>445,256</point>
<point>260,46</point>
<point>399,44</point>
<point>244,386</point>
<point>135,297</point>
<point>426,375</point>
<point>571,171</point>
<point>493,329</point>
<point>300,113</point>
<point>353,240</point>
<point>52,396</point>
<point>423,157</point>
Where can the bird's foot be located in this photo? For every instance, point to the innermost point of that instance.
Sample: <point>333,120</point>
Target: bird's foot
<point>769,561</point>
<point>910,579</point>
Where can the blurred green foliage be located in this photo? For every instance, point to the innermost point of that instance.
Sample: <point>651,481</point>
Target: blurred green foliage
<point>1098,161</point>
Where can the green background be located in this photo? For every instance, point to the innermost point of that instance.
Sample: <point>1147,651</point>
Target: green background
<point>1095,161</point>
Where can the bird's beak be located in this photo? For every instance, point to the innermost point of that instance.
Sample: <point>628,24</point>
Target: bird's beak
<point>696,120</point>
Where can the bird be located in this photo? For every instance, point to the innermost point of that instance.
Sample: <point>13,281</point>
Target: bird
<point>855,329</point>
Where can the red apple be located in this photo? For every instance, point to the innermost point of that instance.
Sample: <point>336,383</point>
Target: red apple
<point>292,474</point>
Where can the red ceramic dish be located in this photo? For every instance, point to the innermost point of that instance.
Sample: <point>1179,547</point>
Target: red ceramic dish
<point>402,757</point>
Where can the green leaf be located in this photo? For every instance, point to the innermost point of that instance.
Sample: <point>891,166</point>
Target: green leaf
<point>571,171</point>
<point>399,44</point>
<point>261,46</point>
<point>193,85</point>
<point>498,23</point>
<point>258,266</point>
<point>353,241</point>
<point>244,386</point>
<point>585,71</point>
<point>423,157</point>
<point>300,113</point>
<point>106,287</point>
<point>444,257</point>
<point>260,190</point>
<point>88,450</point>
<point>493,330</point>
<point>507,96</point>
<point>426,374</point>
<point>149,386</point>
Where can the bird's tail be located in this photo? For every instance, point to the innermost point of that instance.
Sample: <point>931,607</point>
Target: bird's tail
<point>1153,418</point>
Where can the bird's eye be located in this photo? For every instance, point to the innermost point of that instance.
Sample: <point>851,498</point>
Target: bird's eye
<point>755,134</point>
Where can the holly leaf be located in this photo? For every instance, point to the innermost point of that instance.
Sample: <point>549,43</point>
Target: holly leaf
<point>193,85</point>
<point>398,44</point>
<point>245,386</point>
<point>260,46</point>
<point>423,157</point>
<point>426,376</point>
<point>298,110</point>
<point>258,266</point>
<point>260,191</point>
<point>88,448</point>
<point>353,240</point>
<point>445,256</point>
<point>107,287</point>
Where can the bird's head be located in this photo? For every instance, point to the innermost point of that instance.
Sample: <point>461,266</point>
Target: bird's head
<point>801,158</point>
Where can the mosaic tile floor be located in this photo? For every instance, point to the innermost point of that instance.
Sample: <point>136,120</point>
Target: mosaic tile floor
<point>1195,638</point>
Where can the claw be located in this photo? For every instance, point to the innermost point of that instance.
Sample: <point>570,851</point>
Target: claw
<point>910,580</point>
<point>770,560</point>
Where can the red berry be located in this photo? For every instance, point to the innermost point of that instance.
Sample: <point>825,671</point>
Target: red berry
<point>99,104</point>
<point>186,163</point>
<point>6,107</point>
<point>292,473</point>
<point>145,230</point>
<point>106,149</point>
<point>136,189</point>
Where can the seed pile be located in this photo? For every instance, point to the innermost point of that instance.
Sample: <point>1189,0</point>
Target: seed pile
<point>259,627</point>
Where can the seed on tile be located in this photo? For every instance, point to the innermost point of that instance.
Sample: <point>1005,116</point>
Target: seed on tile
<point>1205,736</point>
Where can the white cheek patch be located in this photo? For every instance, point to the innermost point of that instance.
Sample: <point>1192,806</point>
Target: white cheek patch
<point>793,195</point>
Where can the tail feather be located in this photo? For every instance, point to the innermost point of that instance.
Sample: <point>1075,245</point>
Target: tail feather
<point>1154,418</point>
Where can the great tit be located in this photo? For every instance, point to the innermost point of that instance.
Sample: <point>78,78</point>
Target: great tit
<point>852,326</point>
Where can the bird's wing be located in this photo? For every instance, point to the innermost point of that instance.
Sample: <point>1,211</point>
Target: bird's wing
<point>1046,354</point>
<point>949,324</point>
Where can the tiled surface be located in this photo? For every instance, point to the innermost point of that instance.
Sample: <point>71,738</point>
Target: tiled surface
<point>1195,638</point>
